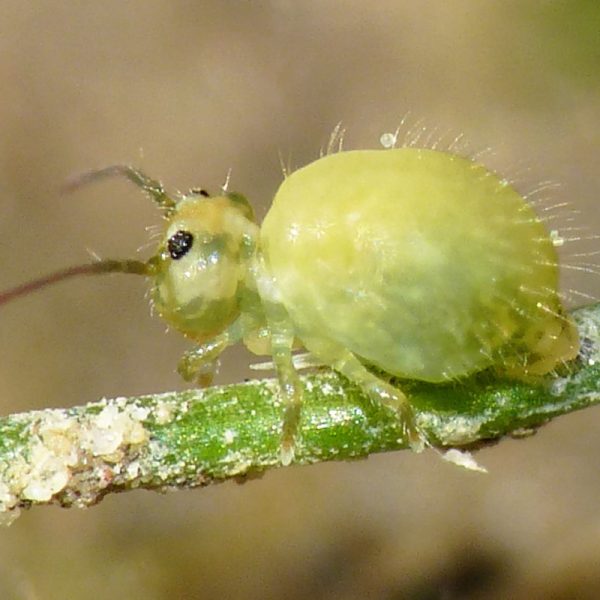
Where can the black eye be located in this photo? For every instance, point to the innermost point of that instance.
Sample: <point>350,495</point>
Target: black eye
<point>179,244</point>
<point>200,192</point>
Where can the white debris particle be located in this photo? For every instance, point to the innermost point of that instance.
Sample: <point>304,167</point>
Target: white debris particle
<point>229,436</point>
<point>106,417</point>
<point>48,476</point>
<point>61,444</point>
<point>104,441</point>
<point>464,459</point>
<point>138,434</point>
<point>558,386</point>
<point>113,427</point>
<point>54,432</point>
<point>239,464</point>
<point>327,388</point>
<point>133,469</point>
<point>163,413</point>
<point>57,421</point>
<point>139,413</point>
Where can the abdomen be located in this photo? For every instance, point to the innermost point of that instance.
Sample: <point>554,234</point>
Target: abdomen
<point>422,263</point>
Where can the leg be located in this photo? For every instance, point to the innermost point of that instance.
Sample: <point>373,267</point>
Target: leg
<point>151,186</point>
<point>198,363</point>
<point>545,348</point>
<point>291,389</point>
<point>282,334</point>
<point>381,392</point>
<point>282,340</point>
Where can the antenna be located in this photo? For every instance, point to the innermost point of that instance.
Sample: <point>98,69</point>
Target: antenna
<point>152,187</point>
<point>136,267</point>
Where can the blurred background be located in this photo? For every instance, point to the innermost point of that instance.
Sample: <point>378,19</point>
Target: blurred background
<point>188,90</point>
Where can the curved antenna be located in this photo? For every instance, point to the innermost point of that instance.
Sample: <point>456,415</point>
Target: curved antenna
<point>136,267</point>
<point>152,187</point>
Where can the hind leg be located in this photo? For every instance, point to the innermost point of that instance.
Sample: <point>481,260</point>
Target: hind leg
<point>545,348</point>
<point>379,392</point>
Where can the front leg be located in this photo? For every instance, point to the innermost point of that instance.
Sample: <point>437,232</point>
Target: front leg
<point>198,363</point>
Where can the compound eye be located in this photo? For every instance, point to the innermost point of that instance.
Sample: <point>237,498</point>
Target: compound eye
<point>179,244</point>
<point>200,192</point>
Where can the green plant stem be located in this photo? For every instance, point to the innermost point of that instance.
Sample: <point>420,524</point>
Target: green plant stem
<point>73,457</point>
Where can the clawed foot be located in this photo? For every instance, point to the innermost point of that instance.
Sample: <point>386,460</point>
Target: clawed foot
<point>392,397</point>
<point>412,434</point>
<point>291,390</point>
<point>202,374</point>
<point>287,451</point>
<point>199,365</point>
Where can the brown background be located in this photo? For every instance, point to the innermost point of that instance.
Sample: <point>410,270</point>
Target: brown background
<point>188,90</point>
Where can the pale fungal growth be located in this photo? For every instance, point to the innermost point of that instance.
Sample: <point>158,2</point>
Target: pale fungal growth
<point>51,474</point>
<point>62,445</point>
<point>110,431</point>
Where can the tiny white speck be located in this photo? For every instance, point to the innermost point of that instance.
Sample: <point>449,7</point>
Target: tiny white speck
<point>133,469</point>
<point>327,388</point>
<point>558,387</point>
<point>557,239</point>
<point>293,231</point>
<point>388,140</point>
<point>163,413</point>
<point>228,436</point>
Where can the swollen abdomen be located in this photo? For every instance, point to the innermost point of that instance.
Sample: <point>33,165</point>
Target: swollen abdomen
<point>420,262</point>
